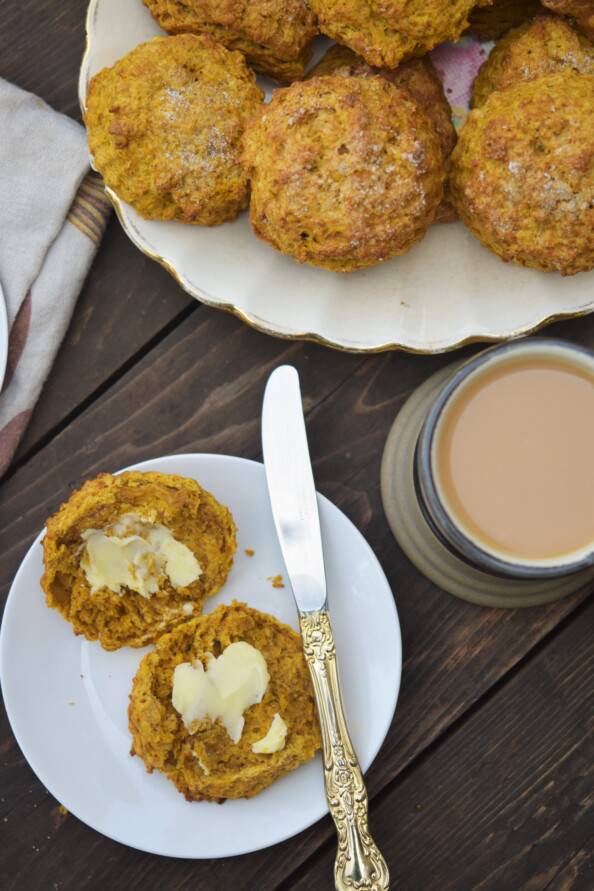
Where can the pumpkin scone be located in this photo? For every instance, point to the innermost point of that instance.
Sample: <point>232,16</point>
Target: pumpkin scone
<point>580,10</point>
<point>543,46</point>
<point>418,77</point>
<point>523,173</point>
<point>274,35</point>
<point>224,705</point>
<point>129,557</point>
<point>165,127</point>
<point>385,32</point>
<point>345,171</point>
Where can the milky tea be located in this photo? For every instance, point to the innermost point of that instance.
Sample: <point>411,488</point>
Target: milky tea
<point>513,457</point>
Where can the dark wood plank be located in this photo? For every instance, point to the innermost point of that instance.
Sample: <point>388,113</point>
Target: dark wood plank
<point>506,803</point>
<point>126,302</point>
<point>200,389</point>
<point>41,46</point>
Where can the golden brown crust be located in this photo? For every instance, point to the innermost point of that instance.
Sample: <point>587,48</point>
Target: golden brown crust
<point>357,25</point>
<point>430,21</point>
<point>417,76</point>
<point>490,22</point>
<point>345,172</point>
<point>274,35</point>
<point>385,32</point>
<point>165,127</point>
<point>191,513</point>
<point>543,46</point>
<point>527,192</point>
<point>202,761</point>
<point>581,10</point>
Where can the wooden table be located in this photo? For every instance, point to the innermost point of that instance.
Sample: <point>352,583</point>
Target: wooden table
<point>485,780</point>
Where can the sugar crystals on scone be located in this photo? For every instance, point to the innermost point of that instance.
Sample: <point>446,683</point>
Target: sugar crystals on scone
<point>165,127</point>
<point>523,173</point>
<point>345,172</point>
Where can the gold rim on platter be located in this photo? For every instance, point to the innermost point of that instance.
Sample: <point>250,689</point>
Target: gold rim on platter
<point>259,324</point>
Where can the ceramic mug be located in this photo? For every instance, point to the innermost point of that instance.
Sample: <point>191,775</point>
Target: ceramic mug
<point>433,505</point>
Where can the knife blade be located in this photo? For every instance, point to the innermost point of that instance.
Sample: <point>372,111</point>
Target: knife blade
<point>359,865</point>
<point>291,488</point>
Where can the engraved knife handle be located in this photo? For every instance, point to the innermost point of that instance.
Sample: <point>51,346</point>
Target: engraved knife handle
<point>359,865</point>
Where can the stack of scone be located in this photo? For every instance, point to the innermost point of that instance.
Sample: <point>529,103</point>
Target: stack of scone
<point>223,705</point>
<point>351,163</point>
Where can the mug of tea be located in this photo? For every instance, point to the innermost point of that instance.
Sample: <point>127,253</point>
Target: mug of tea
<point>504,463</point>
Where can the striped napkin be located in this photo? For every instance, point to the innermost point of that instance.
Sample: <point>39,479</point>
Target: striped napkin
<point>53,212</point>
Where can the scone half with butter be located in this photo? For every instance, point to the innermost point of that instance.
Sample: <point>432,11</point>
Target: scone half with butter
<point>129,557</point>
<point>224,705</point>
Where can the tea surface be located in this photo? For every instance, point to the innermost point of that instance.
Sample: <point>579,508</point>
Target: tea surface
<point>514,456</point>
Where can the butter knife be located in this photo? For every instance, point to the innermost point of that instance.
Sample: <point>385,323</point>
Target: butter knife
<point>359,864</point>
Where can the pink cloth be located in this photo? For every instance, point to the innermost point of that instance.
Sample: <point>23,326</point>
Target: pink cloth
<point>457,65</point>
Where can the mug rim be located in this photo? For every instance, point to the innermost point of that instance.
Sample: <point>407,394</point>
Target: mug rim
<point>428,489</point>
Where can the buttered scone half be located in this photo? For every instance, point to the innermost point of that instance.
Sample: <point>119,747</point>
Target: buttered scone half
<point>165,127</point>
<point>131,556</point>
<point>224,705</point>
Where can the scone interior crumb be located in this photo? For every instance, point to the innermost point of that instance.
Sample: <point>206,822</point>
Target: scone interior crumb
<point>201,760</point>
<point>127,618</point>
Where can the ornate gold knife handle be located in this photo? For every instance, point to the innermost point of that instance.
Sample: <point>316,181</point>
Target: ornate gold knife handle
<point>359,864</point>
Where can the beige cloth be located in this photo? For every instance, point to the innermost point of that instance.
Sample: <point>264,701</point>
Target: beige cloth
<point>53,212</point>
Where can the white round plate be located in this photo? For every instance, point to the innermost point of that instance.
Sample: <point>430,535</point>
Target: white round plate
<point>67,698</point>
<point>446,291</point>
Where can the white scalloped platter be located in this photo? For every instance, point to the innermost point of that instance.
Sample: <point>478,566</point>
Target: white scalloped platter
<point>446,291</point>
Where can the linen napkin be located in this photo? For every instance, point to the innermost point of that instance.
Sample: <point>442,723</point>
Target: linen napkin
<point>53,212</point>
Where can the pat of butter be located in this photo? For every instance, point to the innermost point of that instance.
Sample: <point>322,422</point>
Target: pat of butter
<point>233,682</point>
<point>134,553</point>
<point>274,740</point>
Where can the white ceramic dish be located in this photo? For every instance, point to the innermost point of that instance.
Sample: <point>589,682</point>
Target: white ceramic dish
<point>446,291</point>
<point>67,698</point>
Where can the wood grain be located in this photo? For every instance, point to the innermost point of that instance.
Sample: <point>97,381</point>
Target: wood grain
<point>200,389</point>
<point>41,46</point>
<point>124,305</point>
<point>507,801</point>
